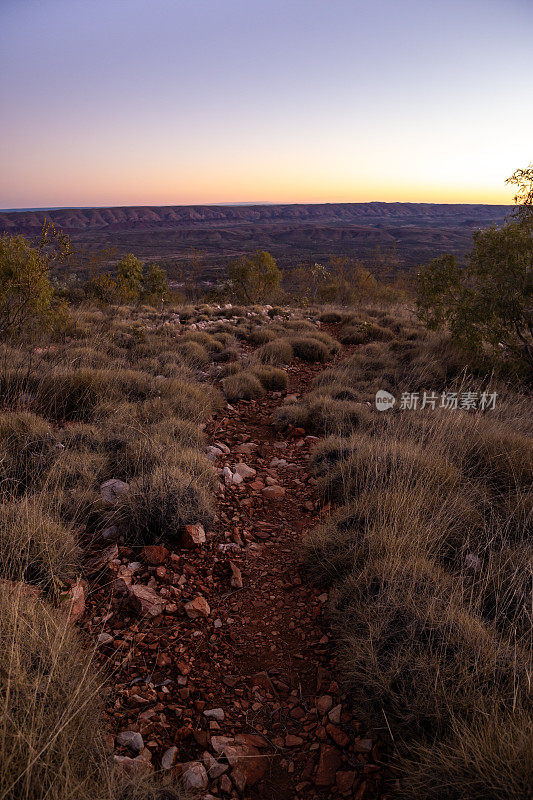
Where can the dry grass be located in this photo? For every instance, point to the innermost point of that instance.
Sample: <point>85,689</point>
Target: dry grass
<point>276,352</point>
<point>430,559</point>
<point>271,378</point>
<point>243,385</point>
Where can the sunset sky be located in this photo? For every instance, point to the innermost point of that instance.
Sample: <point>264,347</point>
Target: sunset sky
<point>149,102</point>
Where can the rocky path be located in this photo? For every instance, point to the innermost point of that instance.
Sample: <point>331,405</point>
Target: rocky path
<point>223,669</point>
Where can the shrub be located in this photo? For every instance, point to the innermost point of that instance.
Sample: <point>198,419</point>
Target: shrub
<point>413,652</point>
<point>490,758</point>
<point>207,341</point>
<point>161,502</point>
<point>242,386</point>
<point>276,352</point>
<point>331,317</point>
<point>193,353</point>
<point>28,446</point>
<point>271,378</point>
<point>35,547</point>
<point>51,707</point>
<point>231,368</point>
<point>74,394</point>
<point>310,349</point>
<point>261,335</point>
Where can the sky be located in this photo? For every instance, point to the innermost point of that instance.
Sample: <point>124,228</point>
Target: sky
<point>162,102</point>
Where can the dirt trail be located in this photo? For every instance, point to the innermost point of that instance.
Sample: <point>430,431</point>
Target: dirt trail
<point>260,663</point>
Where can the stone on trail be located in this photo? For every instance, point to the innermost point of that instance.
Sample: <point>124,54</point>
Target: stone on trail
<point>214,768</point>
<point>154,554</point>
<point>132,740</point>
<point>146,601</point>
<point>328,765</point>
<point>214,713</point>
<point>324,703</point>
<point>199,607</point>
<point>194,776</point>
<point>273,492</point>
<point>245,471</point>
<point>236,576</point>
<point>168,757</point>
<point>193,536</point>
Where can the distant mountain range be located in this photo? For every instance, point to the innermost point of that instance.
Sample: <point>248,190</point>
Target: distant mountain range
<point>292,232</point>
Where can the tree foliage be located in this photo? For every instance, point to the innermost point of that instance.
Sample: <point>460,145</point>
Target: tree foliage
<point>26,292</point>
<point>129,278</point>
<point>154,285</point>
<point>255,278</point>
<point>489,302</point>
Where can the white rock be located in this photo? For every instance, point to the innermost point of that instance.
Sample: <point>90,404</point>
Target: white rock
<point>195,776</point>
<point>132,740</point>
<point>214,713</point>
<point>168,757</point>
<point>113,489</point>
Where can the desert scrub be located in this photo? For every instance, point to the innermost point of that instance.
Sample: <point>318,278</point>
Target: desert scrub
<point>230,368</point>
<point>74,394</point>
<point>412,650</point>
<point>192,353</point>
<point>261,335</point>
<point>490,757</point>
<point>310,349</point>
<point>271,378</point>
<point>275,352</point>
<point>28,447</point>
<point>50,699</point>
<point>159,503</point>
<point>210,343</point>
<point>243,385</point>
<point>35,547</point>
<point>381,462</point>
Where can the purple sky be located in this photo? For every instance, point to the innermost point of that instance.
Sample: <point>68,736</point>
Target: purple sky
<point>110,102</point>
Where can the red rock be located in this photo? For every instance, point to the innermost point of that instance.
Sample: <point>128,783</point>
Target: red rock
<point>328,765</point>
<point>199,607</point>
<point>248,764</point>
<point>236,576</point>
<point>293,741</point>
<point>339,736</point>
<point>324,703</point>
<point>345,781</point>
<point>146,601</point>
<point>273,492</point>
<point>75,600</point>
<point>193,536</point>
<point>154,554</point>
<point>363,745</point>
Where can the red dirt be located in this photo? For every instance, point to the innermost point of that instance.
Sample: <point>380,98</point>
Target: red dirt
<point>263,654</point>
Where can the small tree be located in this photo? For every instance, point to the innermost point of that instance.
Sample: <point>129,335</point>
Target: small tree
<point>490,301</point>
<point>523,180</point>
<point>256,278</point>
<point>26,292</point>
<point>155,286</point>
<point>129,278</point>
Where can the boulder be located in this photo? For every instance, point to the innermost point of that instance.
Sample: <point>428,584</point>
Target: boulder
<point>112,490</point>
